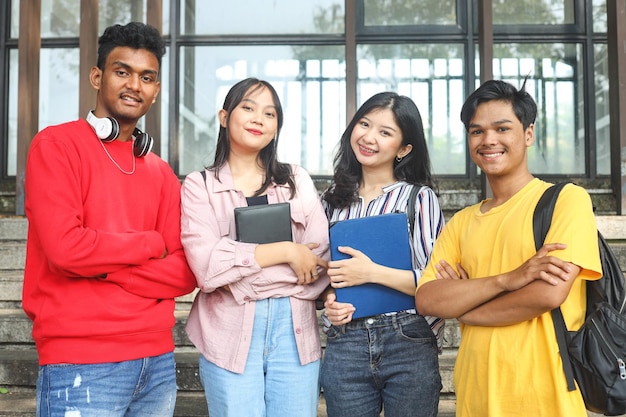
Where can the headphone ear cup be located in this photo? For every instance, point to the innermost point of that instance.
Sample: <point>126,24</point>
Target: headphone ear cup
<point>107,129</point>
<point>142,143</point>
<point>115,130</point>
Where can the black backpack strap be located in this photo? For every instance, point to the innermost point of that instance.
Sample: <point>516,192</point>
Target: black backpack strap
<point>562,340</point>
<point>542,218</point>
<point>410,209</point>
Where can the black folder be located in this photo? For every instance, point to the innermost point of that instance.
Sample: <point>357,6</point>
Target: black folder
<point>385,240</point>
<point>264,223</point>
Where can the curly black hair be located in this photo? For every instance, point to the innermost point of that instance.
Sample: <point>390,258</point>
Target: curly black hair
<point>134,35</point>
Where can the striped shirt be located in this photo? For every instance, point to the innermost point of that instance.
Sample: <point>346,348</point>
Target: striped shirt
<point>429,222</point>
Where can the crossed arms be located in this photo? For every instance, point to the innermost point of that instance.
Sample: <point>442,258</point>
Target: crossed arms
<point>535,287</point>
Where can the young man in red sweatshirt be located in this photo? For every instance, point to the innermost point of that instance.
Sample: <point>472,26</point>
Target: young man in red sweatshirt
<point>104,259</point>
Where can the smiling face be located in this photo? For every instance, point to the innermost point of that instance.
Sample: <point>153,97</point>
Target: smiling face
<point>128,84</point>
<point>253,123</point>
<point>376,140</point>
<point>497,140</point>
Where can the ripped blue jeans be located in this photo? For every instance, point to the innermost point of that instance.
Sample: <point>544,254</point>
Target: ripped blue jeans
<point>142,387</point>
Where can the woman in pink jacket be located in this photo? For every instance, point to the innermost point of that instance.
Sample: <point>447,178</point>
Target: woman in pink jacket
<point>254,319</point>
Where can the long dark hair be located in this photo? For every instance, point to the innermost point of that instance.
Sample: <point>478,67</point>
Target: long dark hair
<point>414,168</point>
<point>275,171</point>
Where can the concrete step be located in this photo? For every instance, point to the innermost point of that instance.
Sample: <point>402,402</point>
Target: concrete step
<point>11,282</point>
<point>18,368</point>
<point>18,373</point>
<point>12,254</point>
<point>11,288</point>
<point>13,228</point>
<point>16,328</point>
<point>16,227</point>
<point>21,403</point>
<point>13,240</point>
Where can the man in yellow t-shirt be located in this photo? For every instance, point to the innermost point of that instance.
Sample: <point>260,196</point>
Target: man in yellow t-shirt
<point>508,362</point>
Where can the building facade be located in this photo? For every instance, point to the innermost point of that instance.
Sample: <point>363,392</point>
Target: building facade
<point>325,57</point>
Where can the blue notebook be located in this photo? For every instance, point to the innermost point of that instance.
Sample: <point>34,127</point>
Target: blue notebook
<point>385,240</point>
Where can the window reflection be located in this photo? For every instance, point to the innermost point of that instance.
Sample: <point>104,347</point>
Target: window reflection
<point>295,52</point>
<point>164,100</point>
<point>58,86</point>
<point>262,17</point>
<point>599,15</point>
<point>12,136</point>
<point>555,82</point>
<point>15,19</point>
<point>603,152</point>
<point>409,12</point>
<point>535,12</point>
<point>310,82</point>
<point>59,18</point>
<point>113,12</point>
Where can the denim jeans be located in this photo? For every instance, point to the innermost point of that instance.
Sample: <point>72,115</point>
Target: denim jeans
<point>385,361</point>
<point>274,383</point>
<point>137,388</point>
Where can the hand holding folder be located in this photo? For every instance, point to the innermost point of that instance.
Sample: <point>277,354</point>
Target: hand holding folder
<point>385,240</point>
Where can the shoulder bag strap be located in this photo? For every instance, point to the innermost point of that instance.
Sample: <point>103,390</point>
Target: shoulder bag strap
<point>410,210</point>
<point>542,218</point>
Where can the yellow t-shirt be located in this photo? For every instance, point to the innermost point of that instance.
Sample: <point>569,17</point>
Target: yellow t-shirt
<point>516,370</point>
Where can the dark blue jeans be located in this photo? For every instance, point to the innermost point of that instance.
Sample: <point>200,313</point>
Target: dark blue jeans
<point>378,362</point>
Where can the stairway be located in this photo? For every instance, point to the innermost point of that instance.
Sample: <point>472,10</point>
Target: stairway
<point>18,357</point>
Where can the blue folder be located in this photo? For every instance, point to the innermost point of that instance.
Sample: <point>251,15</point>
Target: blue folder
<point>385,240</point>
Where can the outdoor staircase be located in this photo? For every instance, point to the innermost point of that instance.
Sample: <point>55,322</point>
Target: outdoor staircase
<point>18,357</point>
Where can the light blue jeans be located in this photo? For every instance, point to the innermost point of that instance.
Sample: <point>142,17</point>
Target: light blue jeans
<point>382,362</point>
<point>273,384</point>
<point>138,388</point>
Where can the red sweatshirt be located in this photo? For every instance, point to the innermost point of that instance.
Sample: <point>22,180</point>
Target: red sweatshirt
<point>94,284</point>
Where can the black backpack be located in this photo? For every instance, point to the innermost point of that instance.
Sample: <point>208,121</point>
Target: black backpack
<point>595,354</point>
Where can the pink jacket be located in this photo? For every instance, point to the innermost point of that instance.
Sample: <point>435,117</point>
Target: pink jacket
<point>220,322</point>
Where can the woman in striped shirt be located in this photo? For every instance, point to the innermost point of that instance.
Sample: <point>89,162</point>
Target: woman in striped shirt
<point>388,361</point>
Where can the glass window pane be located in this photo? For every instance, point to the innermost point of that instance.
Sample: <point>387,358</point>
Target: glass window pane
<point>555,82</point>
<point>534,12</point>
<point>313,103</point>
<point>603,146</point>
<point>262,17</point>
<point>58,86</point>
<point>432,75</point>
<point>164,98</point>
<point>60,18</point>
<point>15,19</point>
<point>113,12</point>
<point>409,12</point>
<point>599,15</point>
<point>12,144</point>
<point>166,18</point>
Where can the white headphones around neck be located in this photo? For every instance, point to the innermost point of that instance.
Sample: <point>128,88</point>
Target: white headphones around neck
<point>108,129</point>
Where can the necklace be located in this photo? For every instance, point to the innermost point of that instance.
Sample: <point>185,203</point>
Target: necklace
<point>116,164</point>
